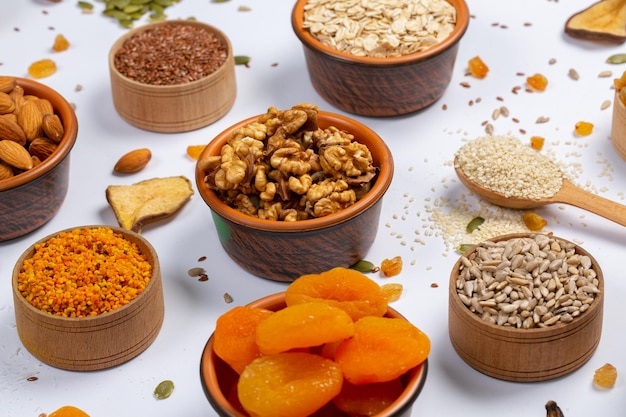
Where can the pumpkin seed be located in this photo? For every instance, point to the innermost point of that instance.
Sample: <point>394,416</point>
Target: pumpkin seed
<point>616,59</point>
<point>85,5</point>
<point>164,389</point>
<point>242,60</point>
<point>465,247</point>
<point>474,224</point>
<point>363,266</point>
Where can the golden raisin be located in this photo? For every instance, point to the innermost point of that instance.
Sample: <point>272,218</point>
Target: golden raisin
<point>477,67</point>
<point>605,376</point>
<point>536,142</point>
<point>537,82</point>
<point>294,384</point>
<point>583,128</point>
<point>392,291</point>
<point>60,43</point>
<point>620,83</point>
<point>391,267</point>
<point>43,68</point>
<point>194,151</point>
<point>533,221</point>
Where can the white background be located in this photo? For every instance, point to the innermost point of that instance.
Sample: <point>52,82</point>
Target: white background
<point>423,145</point>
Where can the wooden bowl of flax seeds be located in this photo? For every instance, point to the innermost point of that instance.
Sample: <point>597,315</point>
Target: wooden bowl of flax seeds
<point>526,307</point>
<point>172,76</point>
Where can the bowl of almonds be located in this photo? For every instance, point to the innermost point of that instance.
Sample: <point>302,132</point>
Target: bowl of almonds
<point>38,129</point>
<point>380,58</point>
<point>295,191</point>
<point>526,307</point>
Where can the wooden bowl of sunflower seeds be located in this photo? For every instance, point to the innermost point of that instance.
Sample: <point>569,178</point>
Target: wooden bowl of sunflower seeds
<point>526,307</point>
<point>172,76</point>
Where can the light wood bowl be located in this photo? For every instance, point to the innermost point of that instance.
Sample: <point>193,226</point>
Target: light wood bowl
<point>178,107</point>
<point>95,342</point>
<point>618,127</point>
<point>524,355</point>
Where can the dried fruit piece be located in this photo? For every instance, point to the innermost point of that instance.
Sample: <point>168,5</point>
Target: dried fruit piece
<point>60,43</point>
<point>368,399</point>
<point>234,339</point>
<point>533,221</point>
<point>164,389</point>
<point>605,376</point>
<point>537,82</point>
<point>536,142</point>
<point>392,291</point>
<point>477,67</point>
<point>302,326</point>
<point>194,151</point>
<point>294,384</point>
<point>381,349</point>
<point>604,20</point>
<point>553,410</point>
<point>583,128</point>
<point>68,411</point>
<point>391,267</point>
<point>42,68</point>
<point>348,289</point>
<point>474,224</point>
<point>133,161</point>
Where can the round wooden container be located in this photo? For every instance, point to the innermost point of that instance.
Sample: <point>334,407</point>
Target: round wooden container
<point>178,107</point>
<point>95,342</point>
<point>524,355</point>
<point>618,128</point>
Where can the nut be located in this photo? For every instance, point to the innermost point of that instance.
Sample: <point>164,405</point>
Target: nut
<point>5,171</point>
<point>30,119</point>
<point>7,83</point>
<point>42,148</point>
<point>15,155</point>
<point>7,105</point>
<point>52,127</point>
<point>133,161</point>
<point>10,130</point>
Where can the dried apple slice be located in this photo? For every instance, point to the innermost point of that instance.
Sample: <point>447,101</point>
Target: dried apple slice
<point>602,21</point>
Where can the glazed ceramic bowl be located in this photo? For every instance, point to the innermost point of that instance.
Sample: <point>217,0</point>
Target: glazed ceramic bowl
<point>32,198</point>
<point>93,342</point>
<point>283,251</point>
<point>519,353</point>
<point>172,108</point>
<point>371,86</point>
<point>218,379</point>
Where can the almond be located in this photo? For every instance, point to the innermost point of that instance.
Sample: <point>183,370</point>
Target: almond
<point>30,119</point>
<point>42,148</point>
<point>7,83</point>
<point>15,155</point>
<point>7,104</point>
<point>5,171</point>
<point>45,106</point>
<point>133,161</point>
<point>10,130</point>
<point>52,127</point>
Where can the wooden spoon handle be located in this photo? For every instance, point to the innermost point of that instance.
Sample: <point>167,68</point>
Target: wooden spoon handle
<point>575,196</point>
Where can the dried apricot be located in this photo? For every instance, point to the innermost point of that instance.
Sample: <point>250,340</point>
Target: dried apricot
<point>605,376</point>
<point>537,82</point>
<point>583,128</point>
<point>533,221</point>
<point>68,411</point>
<point>234,339</point>
<point>391,267</point>
<point>536,142</point>
<point>60,43</point>
<point>194,151</point>
<point>303,325</point>
<point>368,399</point>
<point>477,67</point>
<point>382,349</point>
<point>290,384</point>
<point>43,68</point>
<point>348,289</point>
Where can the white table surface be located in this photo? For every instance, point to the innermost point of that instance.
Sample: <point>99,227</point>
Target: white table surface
<point>516,36</point>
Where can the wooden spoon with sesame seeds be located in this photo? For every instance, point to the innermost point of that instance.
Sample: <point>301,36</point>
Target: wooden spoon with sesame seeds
<point>568,194</point>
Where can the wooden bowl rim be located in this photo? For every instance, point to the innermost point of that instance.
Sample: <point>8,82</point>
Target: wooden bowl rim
<point>70,125</point>
<point>383,180</point>
<point>151,256</point>
<point>217,74</point>
<point>536,331</point>
<point>462,10</point>
<point>275,302</point>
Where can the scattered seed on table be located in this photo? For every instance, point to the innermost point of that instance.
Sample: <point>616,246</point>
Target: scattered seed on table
<point>573,74</point>
<point>542,119</point>
<point>605,74</point>
<point>194,272</point>
<point>202,259</point>
<point>164,389</point>
<point>228,298</point>
<point>605,104</point>
<point>465,84</point>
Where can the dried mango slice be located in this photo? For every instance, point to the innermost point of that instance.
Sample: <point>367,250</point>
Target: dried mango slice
<point>291,384</point>
<point>604,20</point>
<point>234,339</point>
<point>301,326</point>
<point>382,349</point>
<point>368,399</point>
<point>345,288</point>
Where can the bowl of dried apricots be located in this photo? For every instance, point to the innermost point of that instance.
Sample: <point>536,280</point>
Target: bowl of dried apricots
<point>38,129</point>
<point>329,345</point>
<point>295,191</point>
<point>380,58</point>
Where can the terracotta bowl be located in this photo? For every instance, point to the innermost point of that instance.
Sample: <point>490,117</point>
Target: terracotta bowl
<point>178,107</point>
<point>94,342</point>
<point>218,379</point>
<point>524,354</point>
<point>282,251</point>
<point>30,199</point>
<point>370,86</point>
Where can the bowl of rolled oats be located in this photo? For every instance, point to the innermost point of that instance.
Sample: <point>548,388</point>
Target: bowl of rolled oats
<point>172,76</point>
<point>380,58</point>
<point>526,307</point>
<point>295,191</point>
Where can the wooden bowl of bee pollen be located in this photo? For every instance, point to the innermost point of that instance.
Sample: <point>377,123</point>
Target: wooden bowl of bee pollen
<point>94,342</point>
<point>176,107</point>
<point>524,354</point>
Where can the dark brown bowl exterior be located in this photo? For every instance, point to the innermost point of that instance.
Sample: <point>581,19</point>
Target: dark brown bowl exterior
<point>31,199</point>
<point>380,86</point>
<point>283,251</point>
